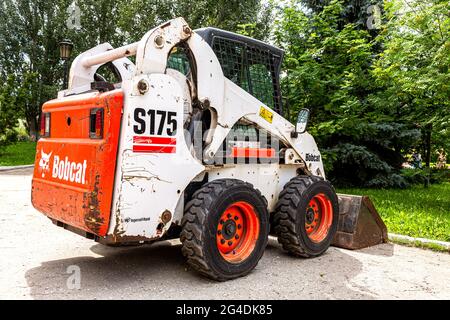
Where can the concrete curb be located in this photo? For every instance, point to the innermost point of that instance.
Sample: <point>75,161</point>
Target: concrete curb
<point>421,242</point>
<point>9,168</point>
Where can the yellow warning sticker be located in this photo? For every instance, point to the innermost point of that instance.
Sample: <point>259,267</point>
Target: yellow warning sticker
<point>266,114</point>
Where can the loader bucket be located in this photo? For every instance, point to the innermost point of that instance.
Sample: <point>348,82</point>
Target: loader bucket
<point>360,225</point>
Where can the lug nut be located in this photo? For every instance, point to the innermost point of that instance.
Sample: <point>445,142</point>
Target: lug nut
<point>166,216</point>
<point>159,41</point>
<point>222,241</point>
<point>186,30</point>
<point>236,218</point>
<point>239,226</point>
<point>142,86</point>
<point>219,232</point>
<point>229,216</point>
<point>236,236</point>
<point>230,243</point>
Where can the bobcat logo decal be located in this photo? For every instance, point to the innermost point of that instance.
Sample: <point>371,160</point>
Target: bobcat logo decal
<point>44,162</point>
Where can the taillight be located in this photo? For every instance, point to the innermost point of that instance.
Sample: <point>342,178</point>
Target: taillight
<point>45,124</point>
<point>96,123</point>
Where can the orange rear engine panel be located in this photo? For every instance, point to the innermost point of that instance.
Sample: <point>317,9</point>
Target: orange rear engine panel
<point>73,177</point>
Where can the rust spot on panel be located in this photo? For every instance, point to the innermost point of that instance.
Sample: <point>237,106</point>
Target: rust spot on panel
<point>87,205</point>
<point>93,218</point>
<point>118,235</point>
<point>124,240</point>
<point>118,229</point>
<point>159,229</point>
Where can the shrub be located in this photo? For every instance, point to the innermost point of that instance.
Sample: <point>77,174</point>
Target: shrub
<point>420,176</point>
<point>367,154</point>
<point>9,112</point>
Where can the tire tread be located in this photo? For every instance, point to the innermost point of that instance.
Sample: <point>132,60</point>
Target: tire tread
<point>194,220</point>
<point>285,214</point>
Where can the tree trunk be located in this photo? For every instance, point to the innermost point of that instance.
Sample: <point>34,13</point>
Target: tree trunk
<point>32,128</point>
<point>428,130</point>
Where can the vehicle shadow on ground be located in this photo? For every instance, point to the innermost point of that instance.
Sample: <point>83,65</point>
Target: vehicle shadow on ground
<point>159,271</point>
<point>385,250</point>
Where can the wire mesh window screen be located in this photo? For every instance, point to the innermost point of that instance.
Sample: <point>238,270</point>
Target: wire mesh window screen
<point>231,55</point>
<point>179,60</point>
<point>250,67</point>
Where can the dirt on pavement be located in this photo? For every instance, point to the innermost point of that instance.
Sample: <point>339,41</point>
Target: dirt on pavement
<point>38,259</point>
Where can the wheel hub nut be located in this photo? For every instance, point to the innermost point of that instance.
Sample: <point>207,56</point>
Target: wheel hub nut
<point>229,229</point>
<point>309,215</point>
<point>142,86</point>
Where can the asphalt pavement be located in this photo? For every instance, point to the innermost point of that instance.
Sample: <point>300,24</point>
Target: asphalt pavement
<point>42,261</point>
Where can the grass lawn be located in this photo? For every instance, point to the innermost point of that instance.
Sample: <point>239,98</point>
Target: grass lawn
<point>415,212</point>
<point>18,154</point>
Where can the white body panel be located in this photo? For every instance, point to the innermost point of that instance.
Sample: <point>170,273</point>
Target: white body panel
<point>148,185</point>
<point>268,178</point>
<point>239,104</point>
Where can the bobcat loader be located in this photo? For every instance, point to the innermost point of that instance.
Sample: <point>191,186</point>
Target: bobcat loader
<point>187,141</point>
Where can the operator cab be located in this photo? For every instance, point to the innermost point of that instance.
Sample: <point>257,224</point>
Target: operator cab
<point>251,64</point>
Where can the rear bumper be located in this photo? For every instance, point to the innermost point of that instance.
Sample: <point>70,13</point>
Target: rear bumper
<point>109,240</point>
<point>74,174</point>
<point>71,205</point>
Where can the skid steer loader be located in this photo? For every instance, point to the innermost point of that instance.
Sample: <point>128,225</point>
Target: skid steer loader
<point>187,141</point>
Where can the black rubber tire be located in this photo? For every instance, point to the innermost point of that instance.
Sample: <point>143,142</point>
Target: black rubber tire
<point>199,223</point>
<point>289,217</point>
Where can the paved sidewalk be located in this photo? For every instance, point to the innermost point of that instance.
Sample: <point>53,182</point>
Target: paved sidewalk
<point>16,168</point>
<point>36,256</point>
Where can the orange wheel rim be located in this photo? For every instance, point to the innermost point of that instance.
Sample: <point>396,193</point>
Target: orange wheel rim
<point>319,217</point>
<point>237,232</point>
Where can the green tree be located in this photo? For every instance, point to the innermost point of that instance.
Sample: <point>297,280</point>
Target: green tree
<point>138,16</point>
<point>329,70</point>
<point>29,40</point>
<point>414,68</point>
<point>9,110</point>
<point>32,29</point>
<point>357,12</point>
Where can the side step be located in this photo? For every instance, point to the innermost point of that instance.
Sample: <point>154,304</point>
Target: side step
<point>360,225</point>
